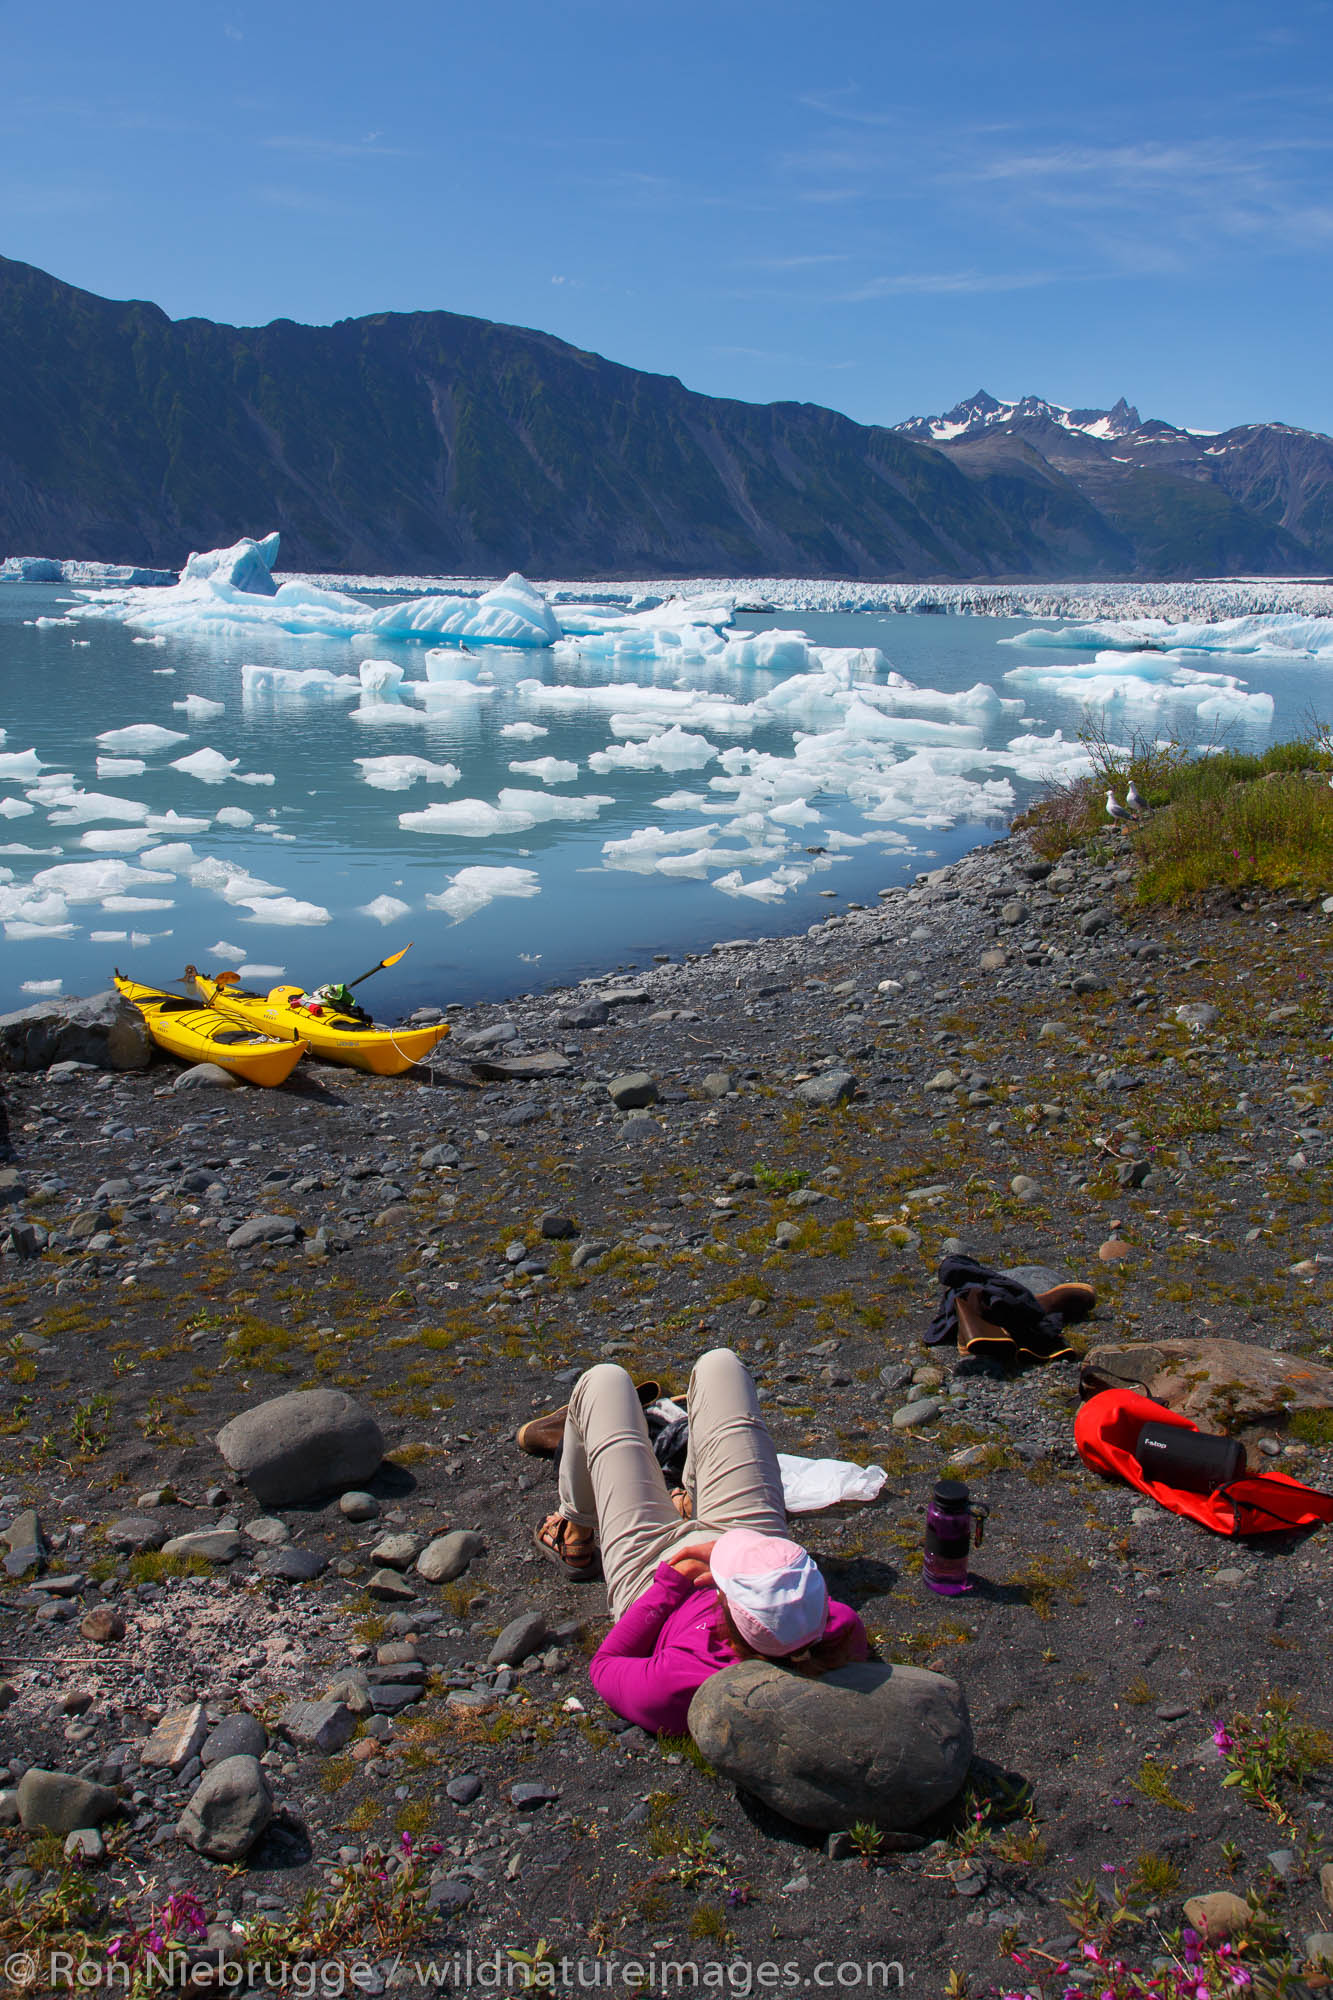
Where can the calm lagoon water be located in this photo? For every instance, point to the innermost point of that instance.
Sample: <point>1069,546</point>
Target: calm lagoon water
<point>324,836</point>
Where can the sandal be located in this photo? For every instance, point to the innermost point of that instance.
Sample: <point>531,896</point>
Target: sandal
<point>567,1545</point>
<point>681,1501</point>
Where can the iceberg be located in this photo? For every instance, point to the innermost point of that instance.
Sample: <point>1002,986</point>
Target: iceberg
<point>1281,635</point>
<point>524,732</point>
<point>41,986</point>
<point>513,614</point>
<point>235,816</point>
<point>20,764</point>
<point>222,949</point>
<point>1149,683</point>
<point>141,738</point>
<point>247,566</point>
<point>471,889</point>
<point>15,809</point>
<point>199,708</point>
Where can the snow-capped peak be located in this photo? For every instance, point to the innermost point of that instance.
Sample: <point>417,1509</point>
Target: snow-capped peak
<point>983,412</point>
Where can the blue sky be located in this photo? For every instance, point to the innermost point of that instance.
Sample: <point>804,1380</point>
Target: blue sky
<point>876,206</point>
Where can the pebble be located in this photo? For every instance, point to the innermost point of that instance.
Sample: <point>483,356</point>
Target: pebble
<point>464,1788</point>
<point>359,1506</point>
<point>923,1411</point>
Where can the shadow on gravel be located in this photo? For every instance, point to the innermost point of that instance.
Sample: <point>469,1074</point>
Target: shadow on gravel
<point>283,1844</point>
<point>855,1580</point>
<point>305,1083</point>
<point>998,1593</point>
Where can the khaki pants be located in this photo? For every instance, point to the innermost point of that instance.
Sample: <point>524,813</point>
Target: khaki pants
<point>611,1481</point>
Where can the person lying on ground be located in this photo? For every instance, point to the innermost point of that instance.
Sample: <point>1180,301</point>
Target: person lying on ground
<point>689,1597</point>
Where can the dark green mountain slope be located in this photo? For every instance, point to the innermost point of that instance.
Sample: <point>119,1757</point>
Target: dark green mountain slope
<point>432,442</point>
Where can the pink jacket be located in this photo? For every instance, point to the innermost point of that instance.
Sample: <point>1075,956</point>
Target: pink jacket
<point>666,1646</point>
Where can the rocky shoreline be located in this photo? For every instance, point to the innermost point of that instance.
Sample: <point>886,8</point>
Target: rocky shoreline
<point>768,1146</point>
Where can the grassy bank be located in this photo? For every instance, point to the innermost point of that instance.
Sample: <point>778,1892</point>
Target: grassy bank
<point>1222,820</point>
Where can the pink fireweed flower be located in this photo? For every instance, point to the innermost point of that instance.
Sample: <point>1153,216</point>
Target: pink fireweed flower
<point>1223,1741</point>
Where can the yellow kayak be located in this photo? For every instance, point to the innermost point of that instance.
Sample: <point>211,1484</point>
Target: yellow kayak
<point>327,1031</point>
<point>197,1034</point>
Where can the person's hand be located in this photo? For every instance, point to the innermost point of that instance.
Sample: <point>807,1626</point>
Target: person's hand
<point>692,1562</point>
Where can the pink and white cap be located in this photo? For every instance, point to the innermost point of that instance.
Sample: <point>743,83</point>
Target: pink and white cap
<point>773,1590</point>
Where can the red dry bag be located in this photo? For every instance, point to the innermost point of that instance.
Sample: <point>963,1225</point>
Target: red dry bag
<point>1106,1431</point>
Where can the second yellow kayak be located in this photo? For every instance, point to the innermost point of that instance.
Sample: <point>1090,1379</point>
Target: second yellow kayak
<point>288,1011</point>
<point>198,1035</point>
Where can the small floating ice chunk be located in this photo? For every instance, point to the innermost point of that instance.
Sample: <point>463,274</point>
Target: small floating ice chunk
<point>125,905</point>
<point>20,764</point>
<point>471,889</point>
<point>224,950</point>
<point>117,839</point>
<point>120,767</point>
<point>41,986</point>
<point>174,822</point>
<point>549,770</point>
<point>21,930</point>
<point>91,881</point>
<point>199,708</point>
<point>256,778</point>
<point>209,766</point>
<point>682,802</point>
<point>141,738</point>
<point>765,889</point>
<point>524,732</point>
<point>233,816</point>
<point>385,909</point>
<point>15,808</point>
<point>107,937</point>
<point>517,811</point>
<point>398,774</point>
<point>76,808</point>
<point>674,749</point>
<point>281,910</point>
<point>297,681</point>
<point>262,971</point>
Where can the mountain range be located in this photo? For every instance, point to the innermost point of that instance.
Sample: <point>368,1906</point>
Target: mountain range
<point>434,442</point>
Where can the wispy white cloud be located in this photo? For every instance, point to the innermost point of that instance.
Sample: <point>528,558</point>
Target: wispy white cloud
<point>337,149</point>
<point>926,284</point>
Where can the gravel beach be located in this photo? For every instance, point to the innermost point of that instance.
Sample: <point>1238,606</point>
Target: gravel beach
<point>768,1147</point>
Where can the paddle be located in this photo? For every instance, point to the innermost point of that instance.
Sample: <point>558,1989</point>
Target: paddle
<point>383,966</point>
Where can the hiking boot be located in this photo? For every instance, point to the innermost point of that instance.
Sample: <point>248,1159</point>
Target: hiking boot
<point>541,1437</point>
<point>1068,1302</point>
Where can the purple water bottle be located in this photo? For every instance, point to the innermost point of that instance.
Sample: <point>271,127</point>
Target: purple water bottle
<point>949,1519</point>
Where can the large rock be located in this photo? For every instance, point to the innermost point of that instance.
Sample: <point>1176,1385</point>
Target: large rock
<point>449,1555</point>
<point>103,1029</point>
<point>55,1802</point>
<point>889,1744</point>
<point>297,1446</point>
<point>632,1091</point>
<point>831,1086</point>
<point>1225,1385</point>
<point>229,1811</point>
